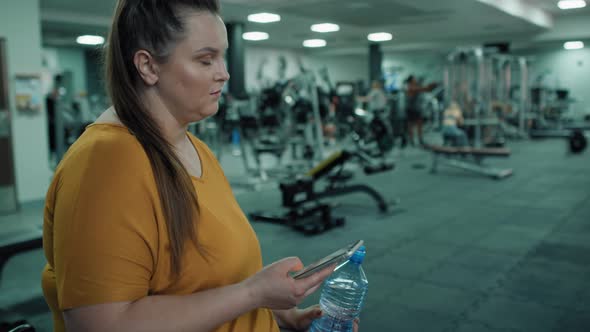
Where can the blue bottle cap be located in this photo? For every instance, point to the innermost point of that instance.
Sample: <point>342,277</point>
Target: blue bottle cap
<point>359,255</point>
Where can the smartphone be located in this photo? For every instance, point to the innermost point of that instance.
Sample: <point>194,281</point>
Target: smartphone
<point>336,257</point>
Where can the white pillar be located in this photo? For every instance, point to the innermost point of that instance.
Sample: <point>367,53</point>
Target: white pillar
<point>20,26</point>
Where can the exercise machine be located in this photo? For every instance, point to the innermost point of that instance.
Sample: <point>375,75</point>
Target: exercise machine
<point>480,80</point>
<point>305,211</point>
<point>370,132</point>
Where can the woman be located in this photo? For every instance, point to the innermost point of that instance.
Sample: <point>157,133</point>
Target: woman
<point>141,229</point>
<point>413,111</point>
<point>376,99</point>
<point>452,119</point>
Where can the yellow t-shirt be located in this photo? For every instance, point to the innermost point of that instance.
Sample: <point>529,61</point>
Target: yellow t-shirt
<point>105,237</point>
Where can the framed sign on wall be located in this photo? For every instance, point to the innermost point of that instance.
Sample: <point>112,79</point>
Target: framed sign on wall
<point>28,93</point>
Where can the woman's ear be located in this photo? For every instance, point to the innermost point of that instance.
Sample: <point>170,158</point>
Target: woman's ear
<point>146,67</point>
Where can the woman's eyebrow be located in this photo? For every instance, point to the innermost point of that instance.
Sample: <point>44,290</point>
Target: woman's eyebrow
<point>208,50</point>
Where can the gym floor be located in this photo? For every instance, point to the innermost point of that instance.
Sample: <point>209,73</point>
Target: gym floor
<point>460,252</point>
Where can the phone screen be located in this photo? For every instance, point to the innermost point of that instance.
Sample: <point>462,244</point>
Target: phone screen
<point>333,258</point>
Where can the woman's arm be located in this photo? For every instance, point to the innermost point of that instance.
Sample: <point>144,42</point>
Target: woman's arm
<point>272,288</point>
<point>414,88</point>
<point>202,311</point>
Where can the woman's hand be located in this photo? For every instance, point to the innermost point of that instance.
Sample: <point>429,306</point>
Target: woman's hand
<point>300,319</point>
<point>273,288</point>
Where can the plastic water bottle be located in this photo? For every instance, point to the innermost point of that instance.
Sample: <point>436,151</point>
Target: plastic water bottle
<point>235,140</point>
<point>343,295</point>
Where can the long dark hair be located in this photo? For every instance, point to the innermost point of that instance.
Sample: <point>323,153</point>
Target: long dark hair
<point>155,26</point>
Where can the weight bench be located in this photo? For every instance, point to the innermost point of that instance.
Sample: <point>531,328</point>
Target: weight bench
<point>13,243</point>
<point>305,213</point>
<point>18,326</point>
<point>19,241</point>
<point>470,159</point>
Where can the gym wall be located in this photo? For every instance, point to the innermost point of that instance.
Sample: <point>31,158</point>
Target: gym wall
<point>565,69</point>
<point>343,67</point>
<point>58,59</point>
<point>427,64</point>
<point>340,68</point>
<point>568,70</point>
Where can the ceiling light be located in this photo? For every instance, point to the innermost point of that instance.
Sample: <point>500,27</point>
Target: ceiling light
<point>314,43</point>
<point>379,36</point>
<point>255,35</point>
<point>325,27</point>
<point>264,18</point>
<point>573,45</point>
<point>571,4</point>
<point>90,40</point>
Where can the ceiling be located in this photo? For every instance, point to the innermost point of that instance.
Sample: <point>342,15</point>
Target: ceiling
<point>415,24</point>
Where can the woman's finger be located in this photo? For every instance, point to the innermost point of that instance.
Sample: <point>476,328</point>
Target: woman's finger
<point>316,278</point>
<point>312,290</point>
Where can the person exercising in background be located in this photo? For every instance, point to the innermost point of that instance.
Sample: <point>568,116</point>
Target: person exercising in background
<point>413,111</point>
<point>376,99</point>
<point>452,119</point>
<point>51,100</point>
<point>141,230</point>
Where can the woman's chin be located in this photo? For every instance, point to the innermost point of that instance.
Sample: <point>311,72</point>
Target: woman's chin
<point>204,114</point>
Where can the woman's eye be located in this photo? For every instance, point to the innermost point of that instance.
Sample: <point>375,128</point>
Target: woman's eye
<point>206,60</point>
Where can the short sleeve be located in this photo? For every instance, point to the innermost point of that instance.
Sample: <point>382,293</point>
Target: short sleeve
<point>104,225</point>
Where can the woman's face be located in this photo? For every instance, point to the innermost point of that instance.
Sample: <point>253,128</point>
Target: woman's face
<point>191,79</point>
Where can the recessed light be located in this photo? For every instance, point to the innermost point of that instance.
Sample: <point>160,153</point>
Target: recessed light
<point>90,40</point>
<point>380,36</point>
<point>571,4</point>
<point>573,45</point>
<point>255,35</point>
<point>264,18</point>
<point>314,43</point>
<point>325,27</point>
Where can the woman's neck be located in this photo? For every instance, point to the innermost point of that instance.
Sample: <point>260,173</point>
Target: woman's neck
<point>175,135</point>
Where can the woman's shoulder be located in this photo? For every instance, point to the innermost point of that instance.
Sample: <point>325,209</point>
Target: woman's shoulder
<point>110,138</point>
<point>108,147</point>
